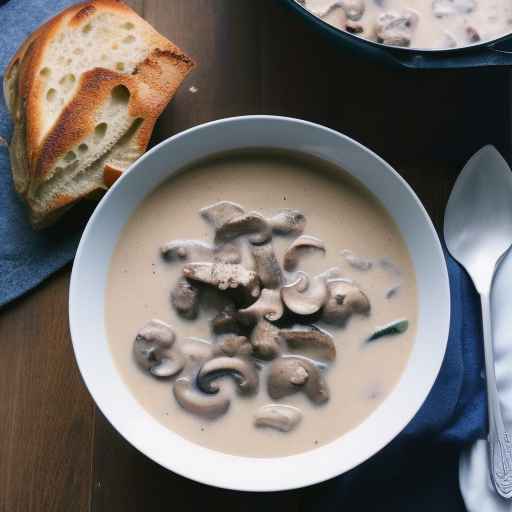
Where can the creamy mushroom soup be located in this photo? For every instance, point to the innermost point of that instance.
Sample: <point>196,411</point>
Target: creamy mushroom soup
<point>261,303</point>
<point>425,24</point>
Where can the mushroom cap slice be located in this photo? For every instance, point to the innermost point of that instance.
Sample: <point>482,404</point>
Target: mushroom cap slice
<point>181,250</point>
<point>170,365</point>
<point>268,305</point>
<point>278,416</point>
<point>266,265</point>
<point>344,300</point>
<point>185,297</point>
<point>152,350</point>
<point>291,374</point>
<point>226,321</point>
<point>252,224</point>
<point>219,213</point>
<point>396,28</point>
<point>288,222</point>
<point>265,340</point>
<point>301,245</point>
<point>310,341</point>
<point>193,401</point>
<point>227,253</point>
<point>224,276</point>
<point>304,296</point>
<point>241,370</point>
<point>354,9</point>
<point>158,332</point>
<point>232,345</point>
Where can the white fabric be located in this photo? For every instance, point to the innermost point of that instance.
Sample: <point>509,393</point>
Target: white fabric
<point>475,484</point>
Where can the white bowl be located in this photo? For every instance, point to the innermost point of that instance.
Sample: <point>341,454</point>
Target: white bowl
<point>87,306</point>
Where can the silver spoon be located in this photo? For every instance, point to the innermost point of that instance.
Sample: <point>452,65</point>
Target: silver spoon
<point>478,232</point>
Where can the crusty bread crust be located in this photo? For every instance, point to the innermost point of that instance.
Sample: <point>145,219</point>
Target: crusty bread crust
<point>36,149</point>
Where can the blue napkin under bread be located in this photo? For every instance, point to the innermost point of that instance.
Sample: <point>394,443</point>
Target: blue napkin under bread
<point>26,257</point>
<point>455,410</point>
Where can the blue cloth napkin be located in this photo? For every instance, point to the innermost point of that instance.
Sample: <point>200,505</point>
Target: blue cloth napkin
<point>26,257</point>
<point>455,408</point>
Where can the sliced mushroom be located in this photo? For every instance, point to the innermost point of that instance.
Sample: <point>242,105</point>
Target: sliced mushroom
<point>252,224</point>
<point>241,370</point>
<point>265,340</point>
<point>187,250</point>
<point>269,306</point>
<point>288,222</point>
<point>291,374</point>
<point>225,276</point>
<point>396,28</point>
<point>344,300</point>
<point>232,345</point>
<point>443,8</point>
<point>472,35</point>
<point>300,246</point>
<point>219,213</point>
<point>185,297</point>
<point>266,265</point>
<point>226,321</point>
<point>354,9</point>
<point>227,253</point>
<point>354,27</point>
<point>170,365</point>
<point>193,401</point>
<point>305,296</point>
<point>310,341</point>
<point>278,416</point>
<point>152,350</point>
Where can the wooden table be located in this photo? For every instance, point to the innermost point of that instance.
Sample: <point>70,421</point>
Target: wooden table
<point>57,452</point>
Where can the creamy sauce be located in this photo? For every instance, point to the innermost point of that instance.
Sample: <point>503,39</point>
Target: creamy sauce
<point>437,24</point>
<point>340,212</point>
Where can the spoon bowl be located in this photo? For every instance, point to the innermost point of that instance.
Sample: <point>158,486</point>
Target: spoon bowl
<point>478,218</point>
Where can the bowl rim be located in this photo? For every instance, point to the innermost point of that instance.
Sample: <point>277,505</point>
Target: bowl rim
<point>264,464</point>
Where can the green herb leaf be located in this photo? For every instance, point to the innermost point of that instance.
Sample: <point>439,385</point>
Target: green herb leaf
<point>392,329</point>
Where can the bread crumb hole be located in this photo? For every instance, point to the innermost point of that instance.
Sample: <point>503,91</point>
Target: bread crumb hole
<point>78,51</point>
<point>83,148</point>
<point>120,94</point>
<point>129,39</point>
<point>128,25</point>
<point>87,28</point>
<point>70,156</point>
<point>50,94</point>
<point>103,57</point>
<point>69,61</point>
<point>120,66</point>
<point>46,72</point>
<point>67,81</point>
<point>100,131</point>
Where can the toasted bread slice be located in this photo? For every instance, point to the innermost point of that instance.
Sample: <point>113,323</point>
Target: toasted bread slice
<point>85,91</point>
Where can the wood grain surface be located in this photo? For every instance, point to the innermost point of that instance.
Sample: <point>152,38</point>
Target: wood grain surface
<point>57,452</point>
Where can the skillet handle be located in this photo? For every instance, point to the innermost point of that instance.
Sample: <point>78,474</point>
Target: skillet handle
<point>494,55</point>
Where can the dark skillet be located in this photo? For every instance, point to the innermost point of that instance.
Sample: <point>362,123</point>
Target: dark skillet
<point>493,53</point>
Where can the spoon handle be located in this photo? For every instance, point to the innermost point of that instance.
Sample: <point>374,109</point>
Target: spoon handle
<point>499,440</point>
